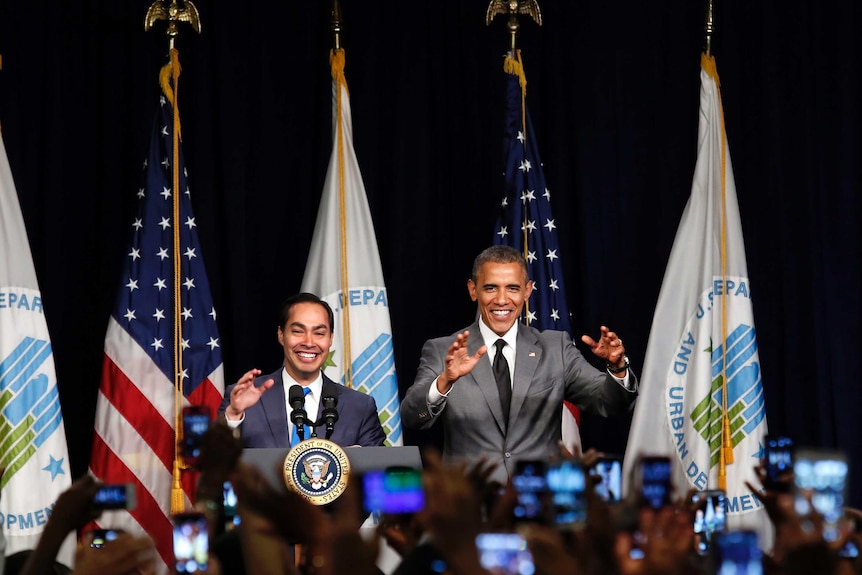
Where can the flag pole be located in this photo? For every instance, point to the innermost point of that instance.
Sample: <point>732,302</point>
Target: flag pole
<point>336,63</point>
<point>710,26</point>
<point>725,452</point>
<point>168,77</point>
<point>514,65</point>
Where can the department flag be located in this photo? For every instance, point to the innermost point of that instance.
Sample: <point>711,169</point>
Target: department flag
<point>702,361</point>
<point>135,414</point>
<point>344,270</point>
<point>32,435</point>
<point>527,224</point>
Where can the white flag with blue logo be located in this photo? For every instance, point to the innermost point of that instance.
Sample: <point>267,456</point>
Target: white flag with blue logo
<point>32,435</point>
<point>344,270</point>
<point>702,334</point>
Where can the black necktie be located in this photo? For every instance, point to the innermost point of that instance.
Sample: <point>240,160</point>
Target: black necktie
<point>504,380</point>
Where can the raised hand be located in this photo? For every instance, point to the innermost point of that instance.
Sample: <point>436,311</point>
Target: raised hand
<point>609,346</point>
<point>459,362</point>
<point>245,394</point>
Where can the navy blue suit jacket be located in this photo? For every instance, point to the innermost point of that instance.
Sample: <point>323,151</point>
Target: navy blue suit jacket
<point>266,423</point>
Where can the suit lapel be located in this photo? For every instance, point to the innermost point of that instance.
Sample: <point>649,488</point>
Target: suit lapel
<point>274,407</point>
<point>483,376</point>
<point>527,359</point>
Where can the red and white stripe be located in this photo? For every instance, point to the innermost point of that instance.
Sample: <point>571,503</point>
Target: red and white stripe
<point>134,436</point>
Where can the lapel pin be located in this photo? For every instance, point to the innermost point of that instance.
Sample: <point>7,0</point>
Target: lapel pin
<point>532,354</point>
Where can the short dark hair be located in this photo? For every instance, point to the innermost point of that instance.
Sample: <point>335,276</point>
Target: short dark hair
<point>499,255</point>
<point>303,297</point>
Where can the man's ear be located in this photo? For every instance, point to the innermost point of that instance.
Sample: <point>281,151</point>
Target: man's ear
<point>281,336</point>
<point>471,287</point>
<point>529,288</point>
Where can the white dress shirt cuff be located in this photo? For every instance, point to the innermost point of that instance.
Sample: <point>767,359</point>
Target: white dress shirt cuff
<point>624,381</point>
<point>234,424</point>
<point>436,400</point>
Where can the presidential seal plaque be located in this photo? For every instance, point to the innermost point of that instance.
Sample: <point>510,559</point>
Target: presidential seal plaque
<point>317,469</point>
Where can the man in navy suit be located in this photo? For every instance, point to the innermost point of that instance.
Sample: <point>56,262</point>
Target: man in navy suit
<point>257,404</point>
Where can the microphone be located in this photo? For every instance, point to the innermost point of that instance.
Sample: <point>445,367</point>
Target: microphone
<point>330,415</point>
<point>298,416</point>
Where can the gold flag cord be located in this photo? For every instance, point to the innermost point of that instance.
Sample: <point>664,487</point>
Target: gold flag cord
<point>725,456</point>
<point>170,73</point>
<point>336,63</point>
<point>514,66</point>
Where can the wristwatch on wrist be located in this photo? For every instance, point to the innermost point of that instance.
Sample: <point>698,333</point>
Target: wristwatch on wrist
<point>621,369</point>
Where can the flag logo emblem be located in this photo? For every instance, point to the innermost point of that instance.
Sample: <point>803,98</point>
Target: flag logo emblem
<point>30,406</point>
<point>694,391</point>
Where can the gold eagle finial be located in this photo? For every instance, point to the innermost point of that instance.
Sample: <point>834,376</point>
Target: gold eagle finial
<point>512,8</point>
<point>173,14</point>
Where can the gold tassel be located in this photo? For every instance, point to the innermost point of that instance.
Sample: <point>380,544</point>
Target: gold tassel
<point>178,497</point>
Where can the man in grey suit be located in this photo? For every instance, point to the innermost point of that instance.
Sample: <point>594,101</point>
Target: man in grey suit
<point>257,404</point>
<point>507,407</point>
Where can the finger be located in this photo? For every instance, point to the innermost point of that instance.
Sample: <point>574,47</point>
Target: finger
<point>266,385</point>
<point>589,341</point>
<point>481,351</point>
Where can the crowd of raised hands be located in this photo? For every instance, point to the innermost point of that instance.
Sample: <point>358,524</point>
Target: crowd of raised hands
<point>281,533</point>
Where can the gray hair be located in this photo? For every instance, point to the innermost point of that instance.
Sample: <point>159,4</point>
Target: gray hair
<point>499,255</point>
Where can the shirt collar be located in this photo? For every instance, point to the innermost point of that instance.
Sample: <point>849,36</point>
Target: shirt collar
<point>315,386</point>
<point>490,338</point>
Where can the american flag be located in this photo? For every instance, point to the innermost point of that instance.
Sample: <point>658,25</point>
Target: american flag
<point>526,222</point>
<point>135,414</point>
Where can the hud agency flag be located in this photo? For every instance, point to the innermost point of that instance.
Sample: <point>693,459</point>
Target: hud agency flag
<point>344,269</point>
<point>702,358</point>
<point>32,437</point>
<point>527,224</point>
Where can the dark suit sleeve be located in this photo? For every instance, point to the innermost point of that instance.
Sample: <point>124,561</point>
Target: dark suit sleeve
<point>226,399</point>
<point>415,412</point>
<point>592,390</point>
<point>371,433</point>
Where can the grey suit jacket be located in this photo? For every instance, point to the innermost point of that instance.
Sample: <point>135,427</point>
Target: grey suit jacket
<point>548,369</point>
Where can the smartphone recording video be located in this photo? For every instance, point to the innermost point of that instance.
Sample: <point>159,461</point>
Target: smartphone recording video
<point>654,479</point>
<point>394,490</point>
<point>530,483</point>
<point>191,543</point>
<point>229,501</point>
<point>820,484</point>
<point>710,518</point>
<point>505,554</point>
<point>566,482</point>
<point>610,470</point>
<point>116,496</point>
<point>97,538</point>
<point>196,421</point>
<point>738,553</point>
<point>777,461</point>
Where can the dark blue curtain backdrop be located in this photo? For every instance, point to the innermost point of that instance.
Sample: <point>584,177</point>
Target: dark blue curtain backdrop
<point>613,92</point>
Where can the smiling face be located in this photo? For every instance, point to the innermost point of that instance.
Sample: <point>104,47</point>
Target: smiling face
<point>500,290</point>
<point>306,338</point>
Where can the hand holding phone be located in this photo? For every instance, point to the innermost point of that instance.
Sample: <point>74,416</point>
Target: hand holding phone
<point>738,552</point>
<point>505,554</point>
<point>610,471</point>
<point>820,484</point>
<point>777,462</point>
<point>97,538</point>
<point>394,490</point>
<point>567,482</point>
<point>191,543</point>
<point>530,483</point>
<point>710,518</point>
<point>196,421</point>
<point>654,479</point>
